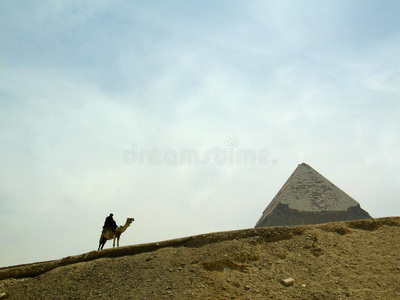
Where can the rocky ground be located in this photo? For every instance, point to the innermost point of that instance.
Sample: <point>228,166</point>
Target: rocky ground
<point>344,260</point>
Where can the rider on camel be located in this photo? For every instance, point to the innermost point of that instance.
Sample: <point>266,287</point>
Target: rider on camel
<point>110,223</point>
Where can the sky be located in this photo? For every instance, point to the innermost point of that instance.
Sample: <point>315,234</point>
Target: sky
<point>188,116</point>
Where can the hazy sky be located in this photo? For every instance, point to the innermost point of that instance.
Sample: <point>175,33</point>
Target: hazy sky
<point>188,115</point>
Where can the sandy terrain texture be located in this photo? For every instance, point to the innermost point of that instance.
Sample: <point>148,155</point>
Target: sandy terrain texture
<point>342,260</point>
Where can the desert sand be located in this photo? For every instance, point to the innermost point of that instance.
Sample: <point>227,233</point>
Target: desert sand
<point>342,260</point>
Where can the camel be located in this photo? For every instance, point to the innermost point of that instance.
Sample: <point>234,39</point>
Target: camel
<point>107,233</point>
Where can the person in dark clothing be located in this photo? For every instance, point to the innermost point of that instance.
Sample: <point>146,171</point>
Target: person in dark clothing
<point>110,223</point>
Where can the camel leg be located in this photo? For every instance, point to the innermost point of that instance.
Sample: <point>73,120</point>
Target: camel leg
<point>118,241</point>
<point>102,242</point>
<point>114,243</point>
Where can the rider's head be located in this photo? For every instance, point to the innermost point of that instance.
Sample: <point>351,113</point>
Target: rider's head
<point>111,215</point>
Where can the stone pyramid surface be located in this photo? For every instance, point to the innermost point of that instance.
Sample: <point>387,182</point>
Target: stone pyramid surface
<point>307,197</point>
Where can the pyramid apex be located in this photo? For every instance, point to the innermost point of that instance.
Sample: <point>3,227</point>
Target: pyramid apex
<point>304,165</point>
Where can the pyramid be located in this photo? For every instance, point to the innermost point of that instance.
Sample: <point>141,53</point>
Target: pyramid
<point>309,198</point>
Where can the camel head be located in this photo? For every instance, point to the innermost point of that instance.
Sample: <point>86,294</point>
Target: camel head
<point>124,227</point>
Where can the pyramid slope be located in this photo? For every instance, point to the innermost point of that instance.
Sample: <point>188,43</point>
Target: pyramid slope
<point>307,197</point>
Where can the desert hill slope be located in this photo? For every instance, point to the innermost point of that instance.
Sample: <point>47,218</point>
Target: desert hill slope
<point>342,260</point>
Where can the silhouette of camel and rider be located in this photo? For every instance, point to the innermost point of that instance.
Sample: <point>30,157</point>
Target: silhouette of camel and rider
<point>111,231</point>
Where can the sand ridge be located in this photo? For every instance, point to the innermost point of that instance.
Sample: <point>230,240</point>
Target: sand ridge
<point>342,260</point>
